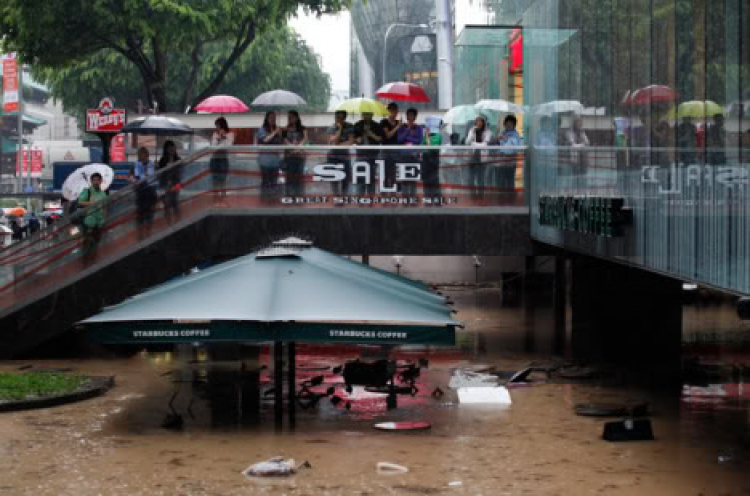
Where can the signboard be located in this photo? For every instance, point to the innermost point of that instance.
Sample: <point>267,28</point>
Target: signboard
<point>30,159</point>
<point>106,118</point>
<point>160,332</point>
<point>600,216</point>
<point>10,83</point>
<point>117,149</point>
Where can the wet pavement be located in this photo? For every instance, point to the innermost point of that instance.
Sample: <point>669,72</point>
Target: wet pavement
<point>115,444</point>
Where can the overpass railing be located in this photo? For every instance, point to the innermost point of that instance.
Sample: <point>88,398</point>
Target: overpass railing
<point>684,212</point>
<point>286,179</point>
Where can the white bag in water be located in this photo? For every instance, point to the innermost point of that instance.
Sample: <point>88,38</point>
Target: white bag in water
<point>484,396</point>
<point>274,467</point>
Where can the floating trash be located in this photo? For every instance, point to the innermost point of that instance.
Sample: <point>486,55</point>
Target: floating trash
<point>484,396</point>
<point>388,468</point>
<point>403,426</point>
<point>275,467</point>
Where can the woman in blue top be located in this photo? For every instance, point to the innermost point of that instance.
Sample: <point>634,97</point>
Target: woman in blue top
<point>410,134</point>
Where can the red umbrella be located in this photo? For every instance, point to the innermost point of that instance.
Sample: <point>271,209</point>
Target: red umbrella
<point>222,104</point>
<point>651,94</point>
<point>407,92</point>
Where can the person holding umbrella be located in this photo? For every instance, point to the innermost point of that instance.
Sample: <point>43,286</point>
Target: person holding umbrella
<point>219,165</point>
<point>368,132</point>
<point>142,174</point>
<point>170,180</point>
<point>479,136</point>
<point>94,220</point>
<point>390,126</point>
<point>341,134</point>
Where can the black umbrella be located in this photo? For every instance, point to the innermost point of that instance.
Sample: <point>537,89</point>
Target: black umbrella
<point>157,125</point>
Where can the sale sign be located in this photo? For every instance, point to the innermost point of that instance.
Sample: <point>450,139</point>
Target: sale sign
<point>117,149</point>
<point>10,83</point>
<point>106,118</point>
<point>33,159</point>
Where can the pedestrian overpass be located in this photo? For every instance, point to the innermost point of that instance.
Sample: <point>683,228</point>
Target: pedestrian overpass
<point>46,285</point>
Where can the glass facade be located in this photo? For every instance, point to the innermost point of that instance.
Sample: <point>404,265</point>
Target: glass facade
<point>661,123</point>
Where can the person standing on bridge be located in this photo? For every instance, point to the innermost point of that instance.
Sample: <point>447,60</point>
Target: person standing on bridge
<point>269,134</point>
<point>411,134</point>
<point>170,181</point>
<point>368,133</point>
<point>479,136</point>
<point>295,135</point>
<point>390,126</point>
<point>94,220</point>
<point>143,175</point>
<point>341,134</point>
<point>219,164</point>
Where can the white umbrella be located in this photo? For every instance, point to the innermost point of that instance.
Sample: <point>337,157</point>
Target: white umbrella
<point>502,106</point>
<point>559,106</point>
<point>78,180</point>
<point>279,98</point>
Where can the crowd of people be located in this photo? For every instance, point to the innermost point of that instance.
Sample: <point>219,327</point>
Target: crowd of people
<point>372,139</point>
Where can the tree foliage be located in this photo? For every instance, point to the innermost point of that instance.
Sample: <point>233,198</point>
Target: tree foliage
<point>152,35</point>
<point>277,59</point>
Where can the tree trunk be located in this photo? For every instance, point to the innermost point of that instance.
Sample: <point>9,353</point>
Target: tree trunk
<point>195,59</point>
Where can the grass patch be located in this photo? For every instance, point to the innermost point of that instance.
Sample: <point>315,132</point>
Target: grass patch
<point>15,386</point>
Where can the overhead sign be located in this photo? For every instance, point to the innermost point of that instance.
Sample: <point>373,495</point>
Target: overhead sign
<point>10,83</point>
<point>106,118</point>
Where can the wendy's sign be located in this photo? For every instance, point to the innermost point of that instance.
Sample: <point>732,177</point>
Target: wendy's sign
<point>106,118</point>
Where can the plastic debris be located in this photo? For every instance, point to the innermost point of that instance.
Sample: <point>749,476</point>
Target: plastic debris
<point>468,379</point>
<point>274,467</point>
<point>391,468</point>
<point>455,484</point>
<point>484,396</point>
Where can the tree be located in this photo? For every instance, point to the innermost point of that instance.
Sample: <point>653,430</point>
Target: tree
<point>149,34</point>
<point>277,59</point>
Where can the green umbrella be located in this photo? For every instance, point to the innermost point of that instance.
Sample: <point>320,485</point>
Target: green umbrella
<point>289,292</point>
<point>461,114</point>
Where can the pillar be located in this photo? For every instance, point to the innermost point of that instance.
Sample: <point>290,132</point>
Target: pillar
<point>627,317</point>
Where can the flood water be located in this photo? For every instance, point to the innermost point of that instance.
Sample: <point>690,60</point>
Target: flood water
<point>115,444</point>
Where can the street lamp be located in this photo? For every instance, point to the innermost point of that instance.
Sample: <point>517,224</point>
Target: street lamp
<point>385,40</point>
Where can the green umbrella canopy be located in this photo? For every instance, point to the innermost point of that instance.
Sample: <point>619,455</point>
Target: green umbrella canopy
<point>282,294</point>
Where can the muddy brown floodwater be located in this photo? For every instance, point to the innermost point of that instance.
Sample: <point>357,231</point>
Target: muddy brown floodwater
<point>115,445</point>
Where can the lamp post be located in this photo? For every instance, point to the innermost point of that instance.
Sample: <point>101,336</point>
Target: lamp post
<point>385,40</point>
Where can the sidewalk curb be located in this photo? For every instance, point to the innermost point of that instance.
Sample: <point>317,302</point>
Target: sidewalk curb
<point>97,386</point>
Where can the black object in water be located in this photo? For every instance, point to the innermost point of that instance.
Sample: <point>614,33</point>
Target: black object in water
<point>628,430</point>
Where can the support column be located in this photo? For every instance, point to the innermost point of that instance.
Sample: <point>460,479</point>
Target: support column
<point>278,373</point>
<point>292,379</point>
<point>627,317</point>
<point>559,298</point>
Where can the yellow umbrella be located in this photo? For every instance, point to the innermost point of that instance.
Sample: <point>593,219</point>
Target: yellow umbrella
<point>363,106</point>
<point>697,109</point>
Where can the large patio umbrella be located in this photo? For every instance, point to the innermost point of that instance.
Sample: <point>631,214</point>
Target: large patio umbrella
<point>288,292</point>
<point>157,125</point>
<point>407,92</point>
<point>279,98</point>
<point>222,104</point>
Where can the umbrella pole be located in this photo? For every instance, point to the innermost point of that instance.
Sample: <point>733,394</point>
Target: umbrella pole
<point>292,379</point>
<point>279,385</point>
